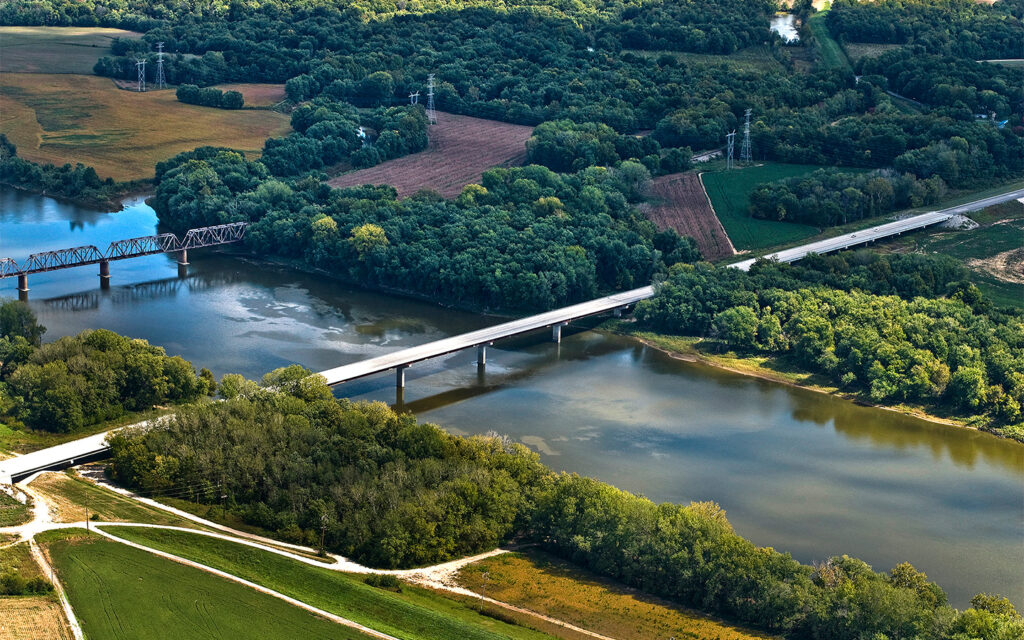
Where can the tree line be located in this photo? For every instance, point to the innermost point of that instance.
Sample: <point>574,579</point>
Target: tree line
<point>388,491</point>
<point>954,354</point>
<point>79,182</point>
<point>829,197</point>
<point>77,381</point>
<point>209,97</point>
<point>523,239</point>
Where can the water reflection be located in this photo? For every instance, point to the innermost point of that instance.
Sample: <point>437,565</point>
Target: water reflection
<point>804,472</point>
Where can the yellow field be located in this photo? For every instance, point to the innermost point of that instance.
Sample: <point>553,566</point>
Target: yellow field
<point>55,49</point>
<point>542,583</point>
<point>123,134</point>
<point>256,94</point>
<point>35,617</point>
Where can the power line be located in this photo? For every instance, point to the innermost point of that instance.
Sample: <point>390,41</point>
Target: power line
<point>140,65</point>
<point>431,114</point>
<point>161,81</point>
<point>745,155</point>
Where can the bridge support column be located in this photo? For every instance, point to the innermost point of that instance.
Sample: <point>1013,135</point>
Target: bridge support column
<point>400,376</point>
<point>556,331</point>
<point>22,282</point>
<point>105,274</point>
<point>183,263</point>
<point>481,354</point>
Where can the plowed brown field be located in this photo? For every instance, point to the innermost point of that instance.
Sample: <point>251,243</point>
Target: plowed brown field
<point>461,149</point>
<point>681,204</point>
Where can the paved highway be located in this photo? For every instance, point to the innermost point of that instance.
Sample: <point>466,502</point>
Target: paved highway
<point>22,466</point>
<point>484,336</point>
<point>883,231</point>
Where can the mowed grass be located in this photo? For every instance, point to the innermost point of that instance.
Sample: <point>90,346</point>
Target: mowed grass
<point>832,56</point>
<point>413,614</point>
<point>72,495</point>
<point>120,592</point>
<point>730,196</point>
<point>122,134</point>
<point>857,50</point>
<point>55,49</point>
<point>542,583</point>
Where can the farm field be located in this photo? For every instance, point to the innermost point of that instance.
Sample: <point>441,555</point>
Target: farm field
<point>548,585</point>
<point>681,204</point>
<point>832,56</point>
<point>12,512</point>
<point>256,94</point>
<point>729,192</point>
<point>55,49</point>
<point>120,592</point>
<point>413,614</point>
<point>461,149</point>
<point>122,134</point>
<point>994,252</point>
<point>35,617</point>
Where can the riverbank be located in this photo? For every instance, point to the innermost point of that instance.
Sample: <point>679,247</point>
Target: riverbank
<point>689,349</point>
<point>108,203</point>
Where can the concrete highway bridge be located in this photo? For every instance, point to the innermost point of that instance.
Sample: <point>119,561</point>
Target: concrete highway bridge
<point>93,446</point>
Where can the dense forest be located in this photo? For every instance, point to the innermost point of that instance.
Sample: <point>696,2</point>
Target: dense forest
<point>77,381</point>
<point>79,181</point>
<point>964,28</point>
<point>525,238</point>
<point>895,329</point>
<point>389,491</point>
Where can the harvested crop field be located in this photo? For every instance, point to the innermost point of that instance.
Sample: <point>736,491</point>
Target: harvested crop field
<point>256,94</point>
<point>461,149</point>
<point>122,134</point>
<point>36,617</point>
<point>681,204</point>
<point>55,49</point>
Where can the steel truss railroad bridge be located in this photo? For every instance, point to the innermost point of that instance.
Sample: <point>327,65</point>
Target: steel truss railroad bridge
<point>122,250</point>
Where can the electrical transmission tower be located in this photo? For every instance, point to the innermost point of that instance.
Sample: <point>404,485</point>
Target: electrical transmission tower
<point>431,114</point>
<point>730,143</point>
<point>414,98</point>
<point>745,155</point>
<point>141,66</point>
<point>161,81</point>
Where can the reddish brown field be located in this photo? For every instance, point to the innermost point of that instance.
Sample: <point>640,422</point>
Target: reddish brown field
<point>255,94</point>
<point>681,204</point>
<point>461,149</point>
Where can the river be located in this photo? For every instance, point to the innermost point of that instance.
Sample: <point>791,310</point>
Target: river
<point>800,471</point>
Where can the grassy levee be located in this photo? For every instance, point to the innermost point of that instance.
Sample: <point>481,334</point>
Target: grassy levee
<point>832,55</point>
<point>413,614</point>
<point>71,496</point>
<point>543,583</point>
<point>730,192</point>
<point>120,592</point>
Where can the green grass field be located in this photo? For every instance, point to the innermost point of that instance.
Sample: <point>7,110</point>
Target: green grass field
<point>18,558</point>
<point>413,614</point>
<point>55,49</point>
<point>857,50</point>
<point>982,250</point>
<point>119,592</point>
<point>729,192</point>
<point>832,56</point>
<point>72,495</point>
<point>122,134</point>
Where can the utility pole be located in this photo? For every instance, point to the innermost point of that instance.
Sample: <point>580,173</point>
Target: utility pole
<point>730,143</point>
<point>140,65</point>
<point>323,532</point>
<point>431,114</point>
<point>161,81</point>
<point>745,155</point>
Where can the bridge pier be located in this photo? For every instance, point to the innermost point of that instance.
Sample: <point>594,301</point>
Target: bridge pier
<point>400,376</point>
<point>183,263</point>
<point>105,274</point>
<point>23,282</point>
<point>556,331</point>
<point>481,354</point>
